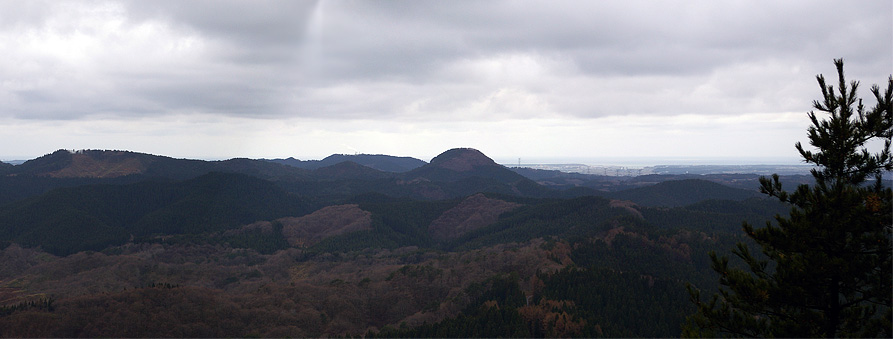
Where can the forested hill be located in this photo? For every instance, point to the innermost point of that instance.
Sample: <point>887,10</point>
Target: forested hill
<point>65,168</point>
<point>446,178</point>
<point>674,193</point>
<point>461,163</point>
<point>385,163</point>
<point>115,164</point>
<point>93,217</point>
<point>455,173</point>
<point>349,170</point>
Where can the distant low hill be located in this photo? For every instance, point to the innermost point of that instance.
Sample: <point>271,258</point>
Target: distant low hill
<point>556,175</point>
<point>385,163</point>
<point>65,168</point>
<point>112,164</point>
<point>349,170</point>
<point>468,171</point>
<point>461,163</point>
<point>675,193</point>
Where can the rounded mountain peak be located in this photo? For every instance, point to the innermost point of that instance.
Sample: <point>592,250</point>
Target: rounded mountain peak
<point>462,159</point>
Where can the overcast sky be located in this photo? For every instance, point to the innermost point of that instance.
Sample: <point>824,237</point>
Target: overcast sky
<point>514,79</point>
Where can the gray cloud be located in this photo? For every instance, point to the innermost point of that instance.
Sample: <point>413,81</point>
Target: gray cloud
<point>416,61</point>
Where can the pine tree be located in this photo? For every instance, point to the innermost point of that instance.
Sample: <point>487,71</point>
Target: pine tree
<point>825,270</point>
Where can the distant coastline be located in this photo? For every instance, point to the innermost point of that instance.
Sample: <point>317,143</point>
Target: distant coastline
<point>632,170</point>
<point>634,161</point>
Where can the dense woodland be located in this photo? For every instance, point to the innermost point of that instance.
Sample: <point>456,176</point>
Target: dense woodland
<point>121,244</point>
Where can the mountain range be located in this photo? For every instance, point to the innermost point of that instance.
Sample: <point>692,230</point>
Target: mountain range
<point>108,197</point>
<point>352,245</point>
<point>405,176</point>
<point>466,171</point>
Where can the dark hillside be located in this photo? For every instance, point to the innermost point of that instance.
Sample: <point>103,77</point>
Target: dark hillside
<point>291,161</point>
<point>395,223</point>
<point>384,163</point>
<point>717,216</point>
<point>563,180</point>
<point>69,220</point>
<point>461,172</point>
<point>73,219</point>
<point>182,169</point>
<point>112,164</point>
<point>336,191</point>
<point>584,216</point>
<point>45,164</point>
<point>68,169</point>
<point>331,191</point>
<point>681,192</point>
<point>476,184</point>
<point>14,188</point>
<point>349,170</point>
<point>623,271</point>
<point>472,213</point>
<point>461,163</point>
<point>260,169</point>
<point>219,201</point>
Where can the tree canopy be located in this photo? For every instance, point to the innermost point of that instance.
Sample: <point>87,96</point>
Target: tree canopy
<point>825,270</point>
